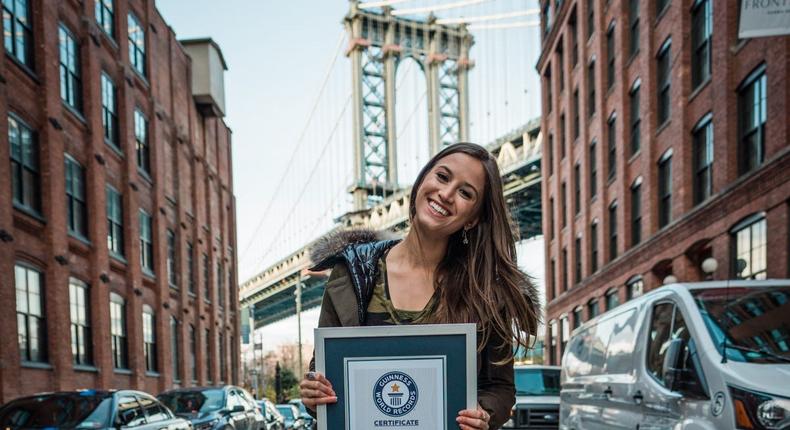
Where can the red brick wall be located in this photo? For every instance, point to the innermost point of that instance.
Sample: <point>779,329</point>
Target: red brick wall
<point>173,196</point>
<point>764,190</point>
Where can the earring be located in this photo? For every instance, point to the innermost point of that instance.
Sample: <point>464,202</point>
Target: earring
<point>464,238</point>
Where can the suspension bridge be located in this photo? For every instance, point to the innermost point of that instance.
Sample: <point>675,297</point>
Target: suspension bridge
<point>423,75</point>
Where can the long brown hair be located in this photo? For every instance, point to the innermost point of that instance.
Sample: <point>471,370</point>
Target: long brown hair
<point>480,282</point>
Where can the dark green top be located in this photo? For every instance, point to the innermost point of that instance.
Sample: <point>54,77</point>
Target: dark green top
<point>381,311</point>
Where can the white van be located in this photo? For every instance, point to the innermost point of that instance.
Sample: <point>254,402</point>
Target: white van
<point>537,398</point>
<point>712,355</point>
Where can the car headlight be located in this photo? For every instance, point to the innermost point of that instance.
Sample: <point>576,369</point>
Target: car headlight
<point>208,425</point>
<point>759,411</point>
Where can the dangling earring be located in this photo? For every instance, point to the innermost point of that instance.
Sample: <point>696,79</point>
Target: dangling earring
<point>464,238</point>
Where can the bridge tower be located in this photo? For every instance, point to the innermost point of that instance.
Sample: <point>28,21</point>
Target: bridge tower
<point>377,43</point>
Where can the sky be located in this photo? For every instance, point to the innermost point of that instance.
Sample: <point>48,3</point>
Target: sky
<point>285,61</point>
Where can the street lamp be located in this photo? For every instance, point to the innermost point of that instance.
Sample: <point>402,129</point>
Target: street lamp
<point>709,266</point>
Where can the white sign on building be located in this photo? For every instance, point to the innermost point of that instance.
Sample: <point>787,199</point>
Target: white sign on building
<point>760,18</point>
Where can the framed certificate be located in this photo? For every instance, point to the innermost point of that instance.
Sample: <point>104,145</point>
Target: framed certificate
<point>397,377</point>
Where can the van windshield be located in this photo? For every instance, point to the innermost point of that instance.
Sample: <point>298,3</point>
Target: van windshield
<point>752,322</point>
<point>537,382</point>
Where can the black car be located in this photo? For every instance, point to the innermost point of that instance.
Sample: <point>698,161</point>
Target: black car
<point>90,409</point>
<point>208,408</point>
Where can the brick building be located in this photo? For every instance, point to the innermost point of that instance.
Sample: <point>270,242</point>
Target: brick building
<point>117,214</point>
<point>666,142</point>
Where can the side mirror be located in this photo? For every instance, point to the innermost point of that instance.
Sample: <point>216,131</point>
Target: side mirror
<point>671,369</point>
<point>237,408</point>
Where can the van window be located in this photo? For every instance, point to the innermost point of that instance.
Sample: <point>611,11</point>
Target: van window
<point>667,323</point>
<point>621,344</point>
<point>576,358</point>
<point>599,340</point>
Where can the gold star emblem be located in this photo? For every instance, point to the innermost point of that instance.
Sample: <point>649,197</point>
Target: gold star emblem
<point>395,388</point>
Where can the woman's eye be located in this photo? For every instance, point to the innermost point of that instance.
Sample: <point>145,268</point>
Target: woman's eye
<point>465,194</point>
<point>442,177</point>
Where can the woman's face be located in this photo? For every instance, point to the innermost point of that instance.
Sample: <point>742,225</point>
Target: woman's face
<point>449,197</point>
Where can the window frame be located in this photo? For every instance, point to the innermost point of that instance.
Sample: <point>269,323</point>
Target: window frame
<point>593,160</point>
<point>611,138</point>
<point>665,189</point>
<point>613,249</point>
<point>636,116</point>
<point>109,108</point>
<point>137,48</point>
<point>748,224</point>
<point>636,212</point>
<point>175,357</point>
<point>11,44</point>
<point>114,215</point>
<point>142,143</point>
<point>172,259</point>
<point>611,55</point>
<point>24,317</point>
<point>70,68</point>
<point>633,23</point>
<point>664,82</point>
<point>149,340</point>
<point>577,274</point>
<point>25,166</point>
<point>751,156</point>
<point>591,88</point>
<point>577,189</point>
<point>80,325</point>
<point>701,56</point>
<point>146,223</point>
<point>76,196</point>
<point>118,332</point>
<point>105,17</point>
<point>612,298</point>
<point>594,246</point>
<point>702,138</point>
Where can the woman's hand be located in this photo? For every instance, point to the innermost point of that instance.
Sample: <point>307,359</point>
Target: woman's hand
<point>315,390</point>
<point>473,419</point>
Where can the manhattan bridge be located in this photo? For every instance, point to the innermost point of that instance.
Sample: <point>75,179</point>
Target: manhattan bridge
<point>447,66</point>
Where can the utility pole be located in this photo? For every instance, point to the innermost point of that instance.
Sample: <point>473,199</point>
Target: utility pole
<point>299,319</point>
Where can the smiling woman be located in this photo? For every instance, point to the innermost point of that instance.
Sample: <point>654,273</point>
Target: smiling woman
<point>457,264</point>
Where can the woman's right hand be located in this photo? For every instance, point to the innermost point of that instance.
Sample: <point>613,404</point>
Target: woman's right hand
<point>315,390</point>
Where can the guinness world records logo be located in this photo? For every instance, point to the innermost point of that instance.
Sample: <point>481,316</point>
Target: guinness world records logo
<point>395,394</point>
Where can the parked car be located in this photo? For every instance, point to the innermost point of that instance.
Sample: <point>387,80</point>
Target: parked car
<point>537,398</point>
<point>293,420</point>
<point>308,419</point>
<point>713,355</point>
<point>227,408</point>
<point>274,419</point>
<point>90,409</point>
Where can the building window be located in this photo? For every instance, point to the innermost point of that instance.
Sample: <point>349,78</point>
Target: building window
<point>193,352</point>
<point>565,333</point>
<point>172,267</point>
<point>612,299</point>
<point>206,284</point>
<point>663,81</point>
<point>564,262</point>
<point>220,285</point>
<point>190,268</point>
<point>590,18</point>
<point>31,323</point>
<point>549,96</point>
<point>149,339</point>
<point>223,372</point>
<point>70,87</point>
<point>611,136</point>
<point>141,142</point>
<point>561,65</point>
<point>594,247</point>
<point>593,171</point>
<point>591,89</point>
<point>553,274</point>
<point>703,159</point>
<point>136,44</point>
<point>633,20</point>
<point>610,57</point>
<point>578,318</point>
<point>750,250</point>
<point>207,358</point>
<point>546,12</point>
<point>176,363</point>
<point>635,117</point>
<point>114,222</point>
<point>576,129</point>
<point>577,189</point>
<point>76,211</point>
<point>551,154</point>
<point>553,345</point>
<point>592,308</point>
<point>118,331</point>
<point>575,36</point>
<point>634,288</point>
<point>752,113</point>
<point>578,257</point>
<point>551,217</point>
<point>636,212</point>
<point>24,165</point>
<point>613,231</point>
<point>701,30</point>
<point>79,311</point>
<point>146,243</point>
<point>561,136</point>
<point>18,31</point>
<point>109,108</point>
<point>105,16</point>
<point>564,203</point>
<point>660,6</point>
<point>665,189</point>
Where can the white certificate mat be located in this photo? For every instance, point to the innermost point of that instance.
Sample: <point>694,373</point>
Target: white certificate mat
<point>396,392</point>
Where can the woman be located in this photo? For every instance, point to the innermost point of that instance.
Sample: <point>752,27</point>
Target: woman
<point>457,264</point>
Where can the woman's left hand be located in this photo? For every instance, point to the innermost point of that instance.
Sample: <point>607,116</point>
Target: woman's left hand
<point>473,419</point>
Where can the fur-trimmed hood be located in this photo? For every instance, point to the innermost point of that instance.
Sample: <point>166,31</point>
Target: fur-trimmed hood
<point>335,242</point>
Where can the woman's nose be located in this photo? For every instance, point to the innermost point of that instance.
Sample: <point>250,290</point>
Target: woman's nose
<point>446,194</point>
